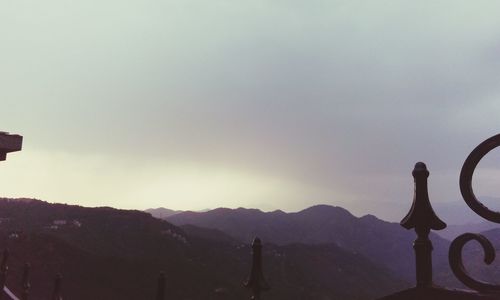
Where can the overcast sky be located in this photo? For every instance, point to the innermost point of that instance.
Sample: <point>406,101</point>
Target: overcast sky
<point>194,104</point>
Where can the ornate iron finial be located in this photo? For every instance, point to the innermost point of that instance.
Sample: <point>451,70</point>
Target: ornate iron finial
<point>455,254</point>
<point>422,217</point>
<point>25,284</point>
<point>3,271</point>
<point>160,291</point>
<point>256,281</point>
<point>56,294</point>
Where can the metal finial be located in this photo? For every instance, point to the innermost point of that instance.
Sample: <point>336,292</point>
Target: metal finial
<point>160,292</point>
<point>256,281</point>
<point>422,217</point>
<point>3,271</point>
<point>25,284</point>
<point>56,294</point>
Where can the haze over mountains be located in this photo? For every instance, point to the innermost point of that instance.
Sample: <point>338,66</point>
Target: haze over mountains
<point>320,253</point>
<point>106,253</point>
<point>458,213</point>
<point>162,212</point>
<point>460,218</point>
<point>382,242</point>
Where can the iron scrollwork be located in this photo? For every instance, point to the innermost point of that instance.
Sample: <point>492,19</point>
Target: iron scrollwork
<point>455,253</point>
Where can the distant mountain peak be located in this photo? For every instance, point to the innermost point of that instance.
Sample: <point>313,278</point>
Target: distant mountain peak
<point>327,210</point>
<point>369,217</point>
<point>162,212</point>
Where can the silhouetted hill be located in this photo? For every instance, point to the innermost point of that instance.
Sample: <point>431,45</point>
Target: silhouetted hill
<point>382,242</point>
<point>105,253</point>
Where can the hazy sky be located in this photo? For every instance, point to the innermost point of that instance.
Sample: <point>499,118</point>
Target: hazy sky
<point>194,104</point>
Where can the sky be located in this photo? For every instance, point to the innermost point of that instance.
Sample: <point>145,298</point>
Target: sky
<point>194,104</point>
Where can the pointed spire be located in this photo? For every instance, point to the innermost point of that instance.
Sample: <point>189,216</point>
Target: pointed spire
<point>56,294</point>
<point>421,215</point>
<point>256,281</point>
<point>3,270</point>
<point>25,284</point>
<point>423,219</point>
<point>160,291</point>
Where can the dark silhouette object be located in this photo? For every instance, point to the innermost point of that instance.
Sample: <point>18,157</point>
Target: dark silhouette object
<point>160,292</point>
<point>423,219</point>
<point>256,281</point>
<point>468,169</point>
<point>9,143</point>
<point>455,257</point>
<point>3,271</point>
<point>56,294</point>
<point>25,284</point>
<point>455,254</point>
<point>438,293</point>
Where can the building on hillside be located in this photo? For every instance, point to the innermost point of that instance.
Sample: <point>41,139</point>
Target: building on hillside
<point>59,222</point>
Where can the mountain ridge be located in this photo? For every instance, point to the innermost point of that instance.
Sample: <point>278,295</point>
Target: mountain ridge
<point>380,241</point>
<point>106,253</point>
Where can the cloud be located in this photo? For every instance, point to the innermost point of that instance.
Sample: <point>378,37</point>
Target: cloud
<point>331,96</point>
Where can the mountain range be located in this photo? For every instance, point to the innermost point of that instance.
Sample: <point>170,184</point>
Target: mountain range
<point>383,243</point>
<point>106,253</point>
<point>162,212</point>
<point>320,253</point>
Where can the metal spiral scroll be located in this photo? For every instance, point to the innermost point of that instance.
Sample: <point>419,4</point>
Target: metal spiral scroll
<point>455,254</point>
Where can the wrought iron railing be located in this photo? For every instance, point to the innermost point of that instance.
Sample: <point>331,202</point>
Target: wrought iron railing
<point>7,293</point>
<point>423,219</point>
<point>457,245</point>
